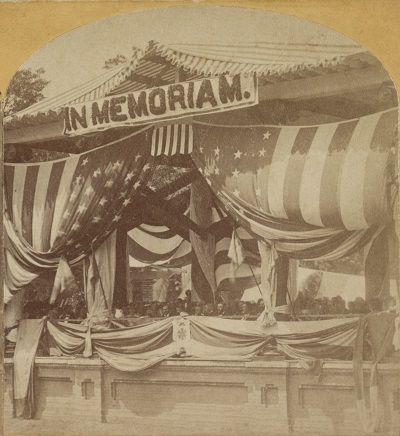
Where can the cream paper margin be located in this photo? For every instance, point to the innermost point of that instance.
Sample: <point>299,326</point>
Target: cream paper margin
<point>25,26</point>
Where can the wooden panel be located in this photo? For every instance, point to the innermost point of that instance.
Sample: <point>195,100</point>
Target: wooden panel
<point>179,392</point>
<point>53,394</point>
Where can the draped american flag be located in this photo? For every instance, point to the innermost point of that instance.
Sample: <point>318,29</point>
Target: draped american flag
<point>332,175</point>
<point>71,205</point>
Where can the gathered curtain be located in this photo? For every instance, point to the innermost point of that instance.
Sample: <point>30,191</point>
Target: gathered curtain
<point>203,249</point>
<point>99,281</point>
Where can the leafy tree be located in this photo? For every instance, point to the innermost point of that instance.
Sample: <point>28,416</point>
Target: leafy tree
<point>25,89</point>
<point>113,62</point>
<point>352,264</point>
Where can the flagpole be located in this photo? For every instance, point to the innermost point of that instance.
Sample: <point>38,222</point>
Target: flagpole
<point>255,279</point>
<point>251,269</point>
<point>101,282</point>
<point>291,304</point>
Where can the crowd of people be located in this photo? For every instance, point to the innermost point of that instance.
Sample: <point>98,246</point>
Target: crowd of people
<point>244,309</point>
<point>157,309</point>
<point>304,305</point>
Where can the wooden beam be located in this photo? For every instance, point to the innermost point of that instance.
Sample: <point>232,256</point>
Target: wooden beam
<point>136,213</point>
<point>147,80</point>
<point>327,85</point>
<point>157,60</point>
<point>164,207</point>
<point>157,81</point>
<point>168,221</point>
<point>31,134</point>
<point>338,107</point>
<point>174,186</point>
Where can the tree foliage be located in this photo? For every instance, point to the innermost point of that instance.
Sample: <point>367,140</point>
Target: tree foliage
<point>113,62</point>
<point>25,89</point>
<point>352,264</point>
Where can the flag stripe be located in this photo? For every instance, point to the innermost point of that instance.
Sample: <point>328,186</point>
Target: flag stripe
<point>294,171</point>
<point>153,244</point>
<point>376,170</point>
<point>9,188</point>
<point>353,173</point>
<point>243,277</point>
<point>183,138</point>
<point>222,257</point>
<point>140,257</point>
<point>276,178</point>
<point>52,191</point>
<point>175,139</point>
<point>262,173</point>
<point>179,137</point>
<point>223,275</point>
<point>154,141</point>
<point>18,187</point>
<point>64,193</point>
<point>42,183</point>
<point>160,142</point>
<point>189,149</point>
<point>156,231</point>
<point>310,185</point>
<point>167,140</point>
<point>147,255</point>
<point>28,195</point>
<point>329,200</point>
<point>172,139</point>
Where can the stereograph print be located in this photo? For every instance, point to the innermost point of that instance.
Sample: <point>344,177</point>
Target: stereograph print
<point>200,230</point>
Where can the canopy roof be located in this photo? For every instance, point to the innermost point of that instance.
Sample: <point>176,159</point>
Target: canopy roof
<point>159,64</point>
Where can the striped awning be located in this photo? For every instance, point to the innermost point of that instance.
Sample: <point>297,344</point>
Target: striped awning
<point>50,109</point>
<point>260,58</point>
<point>158,65</point>
<point>271,61</point>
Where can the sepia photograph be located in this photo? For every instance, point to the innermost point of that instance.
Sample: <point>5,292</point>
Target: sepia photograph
<point>200,230</point>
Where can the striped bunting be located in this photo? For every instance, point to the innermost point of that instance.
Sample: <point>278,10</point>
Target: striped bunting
<point>172,139</point>
<point>157,245</point>
<point>150,245</point>
<point>332,175</point>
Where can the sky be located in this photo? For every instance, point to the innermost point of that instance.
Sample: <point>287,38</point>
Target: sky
<point>78,56</point>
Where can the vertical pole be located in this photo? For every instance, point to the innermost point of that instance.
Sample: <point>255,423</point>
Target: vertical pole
<point>282,274</point>
<point>377,269</point>
<point>120,289</point>
<point>288,399</point>
<point>102,395</point>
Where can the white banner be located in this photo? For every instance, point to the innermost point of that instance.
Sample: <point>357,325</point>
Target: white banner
<point>168,102</point>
